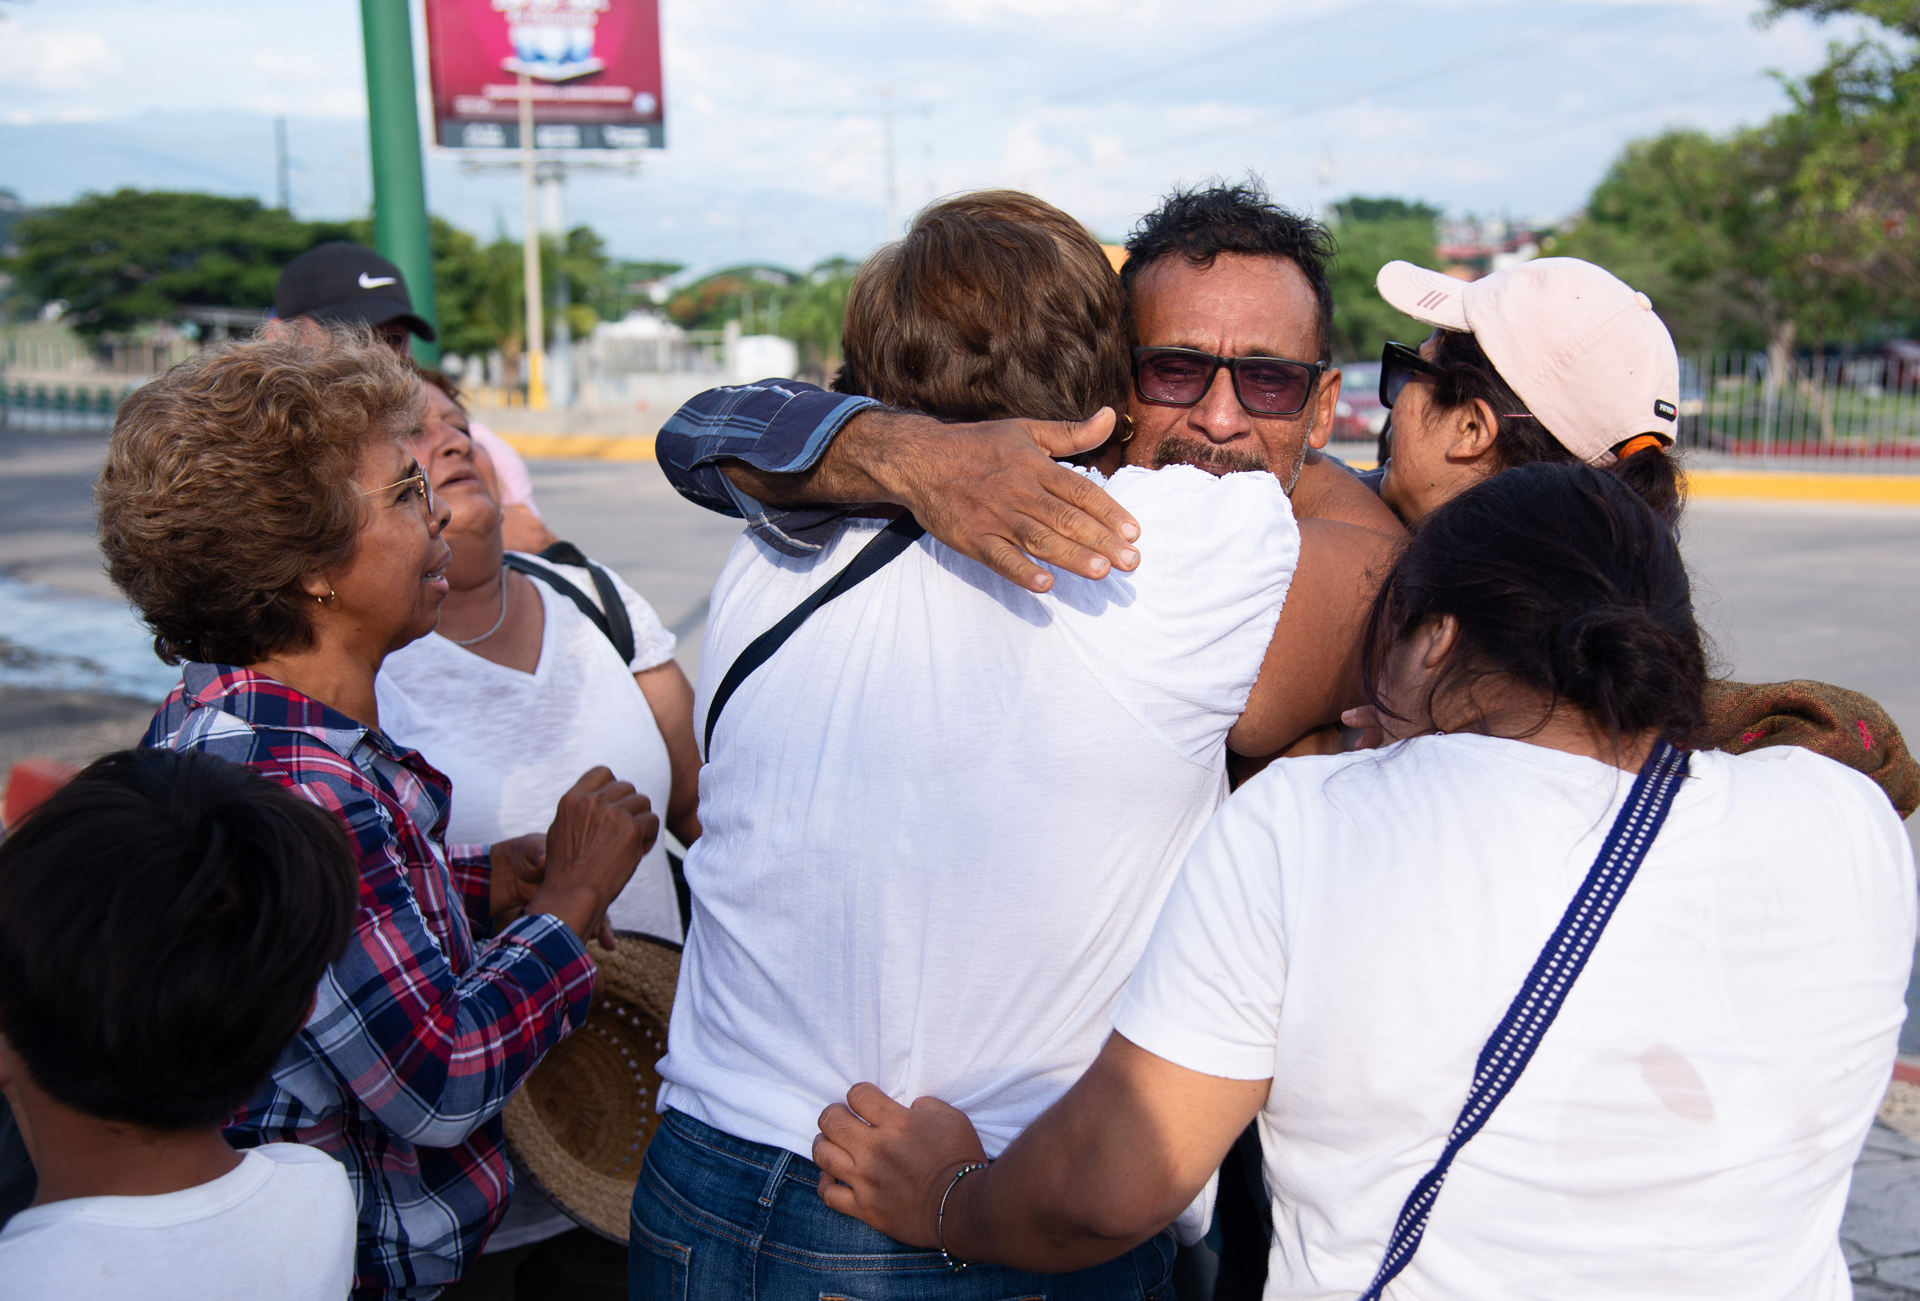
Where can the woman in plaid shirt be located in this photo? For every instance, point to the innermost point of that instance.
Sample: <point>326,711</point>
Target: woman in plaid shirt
<point>260,509</point>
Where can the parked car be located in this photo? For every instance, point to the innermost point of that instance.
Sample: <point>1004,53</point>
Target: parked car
<point>1359,417</point>
<point>1903,363</point>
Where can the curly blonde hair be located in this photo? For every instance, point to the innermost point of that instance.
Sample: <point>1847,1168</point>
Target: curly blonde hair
<point>232,475</point>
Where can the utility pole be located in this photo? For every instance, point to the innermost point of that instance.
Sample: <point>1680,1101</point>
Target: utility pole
<point>280,164</point>
<point>893,194</point>
<point>551,180</point>
<point>530,256</point>
<point>400,230</point>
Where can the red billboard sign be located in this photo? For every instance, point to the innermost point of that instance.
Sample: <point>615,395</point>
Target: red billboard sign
<point>593,68</point>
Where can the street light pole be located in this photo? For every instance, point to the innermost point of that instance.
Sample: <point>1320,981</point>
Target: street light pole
<point>530,257</point>
<point>400,230</point>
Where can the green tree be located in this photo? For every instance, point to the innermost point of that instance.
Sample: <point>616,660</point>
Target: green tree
<point>1728,238</point>
<point>1902,16</point>
<point>1372,233</point>
<point>1858,180</point>
<point>482,287</point>
<point>810,309</point>
<point>624,286</point>
<point>752,294</point>
<point>132,256</point>
<point>1794,233</point>
<point>817,314</point>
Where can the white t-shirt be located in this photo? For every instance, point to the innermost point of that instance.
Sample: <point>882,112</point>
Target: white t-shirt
<point>939,822</point>
<point>1354,927</point>
<point>280,1224</point>
<point>513,743</point>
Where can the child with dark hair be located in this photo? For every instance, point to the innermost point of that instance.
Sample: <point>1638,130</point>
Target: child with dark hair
<point>165,919</point>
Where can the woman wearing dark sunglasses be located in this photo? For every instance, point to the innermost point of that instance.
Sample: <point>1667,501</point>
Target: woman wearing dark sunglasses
<point>1555,360</point>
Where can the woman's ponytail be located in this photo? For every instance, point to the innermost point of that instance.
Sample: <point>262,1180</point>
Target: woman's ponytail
<point>1653,475</point>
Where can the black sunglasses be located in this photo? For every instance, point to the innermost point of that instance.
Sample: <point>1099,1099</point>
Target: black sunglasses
<point>1266,386</point>
<point>1398,365</point>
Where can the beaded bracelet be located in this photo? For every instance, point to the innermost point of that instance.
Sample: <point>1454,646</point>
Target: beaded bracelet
<point>940,1223</point>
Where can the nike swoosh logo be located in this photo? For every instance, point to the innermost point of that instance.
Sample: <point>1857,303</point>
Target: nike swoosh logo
<point>374,282</point>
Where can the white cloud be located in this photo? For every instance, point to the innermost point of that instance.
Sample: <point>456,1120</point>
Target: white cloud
<point>774,113</point>
<point>284,65</point>
<point>55,60</point>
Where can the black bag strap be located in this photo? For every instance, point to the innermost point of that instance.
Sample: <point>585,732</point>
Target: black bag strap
<point>612,621</point>
<point>1536,1005</point>
<point>885,545</point>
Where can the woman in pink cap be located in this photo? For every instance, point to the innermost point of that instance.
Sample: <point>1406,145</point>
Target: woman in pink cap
<point>1558,360</point>
<point>1553,360</point>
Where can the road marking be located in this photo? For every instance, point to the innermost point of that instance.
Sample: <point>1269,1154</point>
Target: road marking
<point>1760,485</point>
<point>1752,485</point>
<point>593,447</point>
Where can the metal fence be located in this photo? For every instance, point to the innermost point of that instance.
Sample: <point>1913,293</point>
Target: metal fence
<point>54,381</point>
<point>1840,413</point>
<point>61,408</point>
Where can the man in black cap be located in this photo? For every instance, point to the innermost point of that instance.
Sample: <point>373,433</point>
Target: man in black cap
<point>340,282</point>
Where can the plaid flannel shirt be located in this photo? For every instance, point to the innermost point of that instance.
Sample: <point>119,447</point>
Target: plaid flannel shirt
<point>418,1035</point>
<point>782,426</point>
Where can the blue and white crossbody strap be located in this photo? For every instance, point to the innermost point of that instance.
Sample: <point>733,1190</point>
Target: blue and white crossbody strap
<point>1538,1002</point>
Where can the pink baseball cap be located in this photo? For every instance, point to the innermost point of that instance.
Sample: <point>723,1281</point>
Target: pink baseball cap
<point>1584,351</point>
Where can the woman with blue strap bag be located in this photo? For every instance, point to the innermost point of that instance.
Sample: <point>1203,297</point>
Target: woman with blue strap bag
<point>1528,1003</point>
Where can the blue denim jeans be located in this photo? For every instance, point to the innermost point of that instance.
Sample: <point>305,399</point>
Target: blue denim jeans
<point>717,1218</point>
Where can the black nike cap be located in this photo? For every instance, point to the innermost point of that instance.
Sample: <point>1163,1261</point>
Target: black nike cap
<point>338,281</point>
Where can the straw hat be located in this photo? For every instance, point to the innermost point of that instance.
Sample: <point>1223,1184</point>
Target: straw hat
<point>583,1119</point>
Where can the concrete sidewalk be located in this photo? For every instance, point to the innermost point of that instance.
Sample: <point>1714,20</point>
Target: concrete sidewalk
<point>1881,1231</point>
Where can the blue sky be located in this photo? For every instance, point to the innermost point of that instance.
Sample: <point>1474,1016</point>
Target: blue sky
<point>775,122</point>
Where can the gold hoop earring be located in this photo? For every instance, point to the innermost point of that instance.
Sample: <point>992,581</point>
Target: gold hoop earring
<point>1131,429</point>
<point>327,599</point>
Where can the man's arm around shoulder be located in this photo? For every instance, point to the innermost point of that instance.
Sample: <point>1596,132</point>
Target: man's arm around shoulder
<point>792,460</point>
<point>1312,667</point>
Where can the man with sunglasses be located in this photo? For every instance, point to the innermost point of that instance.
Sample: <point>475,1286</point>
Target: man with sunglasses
<point>1232,314</point>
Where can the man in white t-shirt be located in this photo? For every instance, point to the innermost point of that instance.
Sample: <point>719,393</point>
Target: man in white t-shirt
<point>940,818</point>
<point>164,921</point>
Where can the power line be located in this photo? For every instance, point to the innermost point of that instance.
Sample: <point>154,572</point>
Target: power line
<point>1544,133</point>
<point>1178,65</point>
<point>1400,83</point>
<point>1208,55</point>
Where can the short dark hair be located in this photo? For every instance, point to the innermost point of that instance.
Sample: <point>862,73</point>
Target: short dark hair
<point>165,919</point>
<point>1562,580</point>
<point>1467,374</point>
<point>994,305</point>
<point>1202,223</point>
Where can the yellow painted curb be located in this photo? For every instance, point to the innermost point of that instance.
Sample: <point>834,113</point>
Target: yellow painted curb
<point>1750,485</point>
<point>1759,485</point>
<point>596,447</point>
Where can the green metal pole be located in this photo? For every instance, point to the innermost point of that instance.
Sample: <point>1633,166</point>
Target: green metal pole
<point>400,230</point>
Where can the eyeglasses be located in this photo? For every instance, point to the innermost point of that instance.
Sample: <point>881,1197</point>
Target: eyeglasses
<point>1266,386</point>
<point>417,479</point>
<point>1398,365</point>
